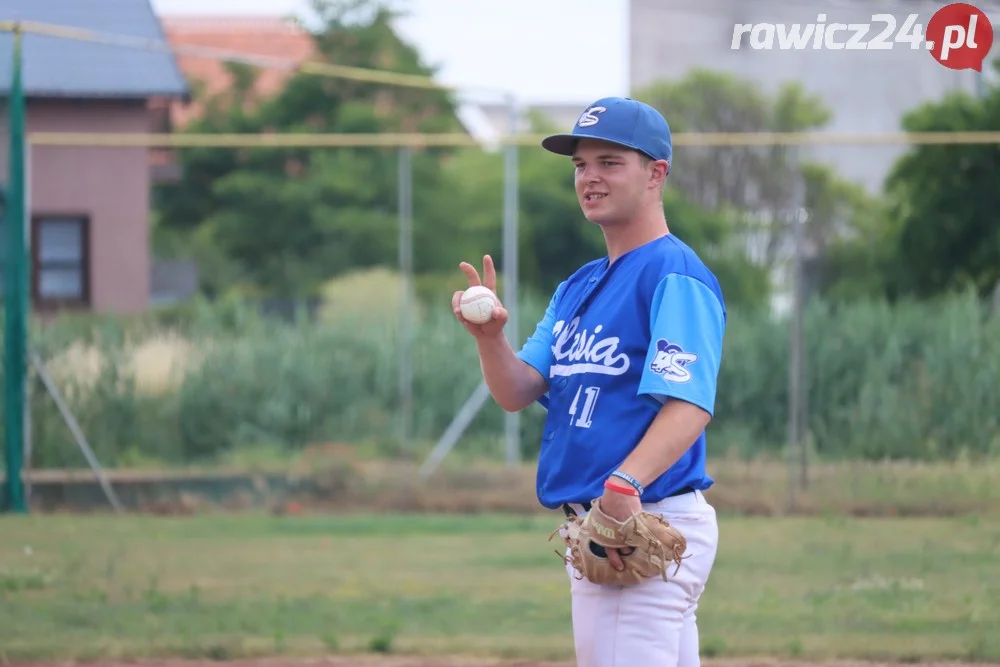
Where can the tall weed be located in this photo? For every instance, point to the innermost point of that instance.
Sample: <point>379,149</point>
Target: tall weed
<point>911,380</point>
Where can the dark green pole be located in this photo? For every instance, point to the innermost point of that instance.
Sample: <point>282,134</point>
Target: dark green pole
<point>15,297</point>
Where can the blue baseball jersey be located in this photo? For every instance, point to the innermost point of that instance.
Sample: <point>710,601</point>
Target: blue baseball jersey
<point>614,344</point>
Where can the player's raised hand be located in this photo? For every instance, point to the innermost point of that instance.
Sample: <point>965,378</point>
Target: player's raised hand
<point>498,319</point>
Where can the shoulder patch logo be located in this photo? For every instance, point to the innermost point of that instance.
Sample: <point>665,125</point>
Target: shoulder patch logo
<point>671,361</point>
<point>589,117</point>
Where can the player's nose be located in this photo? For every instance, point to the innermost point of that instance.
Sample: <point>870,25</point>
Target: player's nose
<point>587,176</point>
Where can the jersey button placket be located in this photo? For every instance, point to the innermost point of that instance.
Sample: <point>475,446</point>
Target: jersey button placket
<point>559,384</point>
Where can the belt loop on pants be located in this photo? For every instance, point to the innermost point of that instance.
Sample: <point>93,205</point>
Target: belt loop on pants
<point>569,511</point>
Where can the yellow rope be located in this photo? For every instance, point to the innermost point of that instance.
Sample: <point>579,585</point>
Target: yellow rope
<point>417,140</point>
<point>309,67</point>
<point>387,140</point>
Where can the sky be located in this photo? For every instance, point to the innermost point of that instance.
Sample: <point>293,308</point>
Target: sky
<point>521,46</point>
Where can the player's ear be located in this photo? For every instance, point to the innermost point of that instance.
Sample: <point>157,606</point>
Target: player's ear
<point>658,173</point>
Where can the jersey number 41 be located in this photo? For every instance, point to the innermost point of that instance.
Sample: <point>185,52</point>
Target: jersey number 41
<point>585,418</point>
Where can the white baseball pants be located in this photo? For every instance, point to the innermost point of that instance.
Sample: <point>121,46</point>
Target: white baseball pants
<point>653,623</point>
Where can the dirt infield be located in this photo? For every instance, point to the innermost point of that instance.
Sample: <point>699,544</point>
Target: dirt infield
<point>395,661</point>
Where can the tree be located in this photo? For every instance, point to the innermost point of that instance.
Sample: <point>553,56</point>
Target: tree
<point>944,202</point>
<point>765,190</point>
<point>844,247</point>
<point>282,221</point>
<point>761,183</point>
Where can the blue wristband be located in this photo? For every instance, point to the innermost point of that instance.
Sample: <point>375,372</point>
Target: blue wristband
<point>630,479</point>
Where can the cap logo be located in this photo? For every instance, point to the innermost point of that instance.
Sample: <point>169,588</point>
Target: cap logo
<point>589,117</point>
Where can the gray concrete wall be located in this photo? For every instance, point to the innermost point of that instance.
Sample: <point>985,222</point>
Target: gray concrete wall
<point>868,91</point>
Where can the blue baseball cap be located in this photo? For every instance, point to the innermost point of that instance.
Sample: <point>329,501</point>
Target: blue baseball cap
<point>620,120</point>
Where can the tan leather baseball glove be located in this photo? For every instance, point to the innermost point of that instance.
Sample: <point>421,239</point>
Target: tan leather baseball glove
<point>654,543</point>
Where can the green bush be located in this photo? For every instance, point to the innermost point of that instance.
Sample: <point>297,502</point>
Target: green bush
<point>914,380</point>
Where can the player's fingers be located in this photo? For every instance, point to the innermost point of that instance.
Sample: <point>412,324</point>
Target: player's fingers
<point>489,273</point>
<point>500,315</point>
<point>455,298</point>
<point>470,273</point>
<point>615,559</point>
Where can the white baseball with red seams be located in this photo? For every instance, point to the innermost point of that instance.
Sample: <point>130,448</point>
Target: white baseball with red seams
<point>477,304</point>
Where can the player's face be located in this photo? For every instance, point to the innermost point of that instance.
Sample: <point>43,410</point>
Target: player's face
<point>612,183</point>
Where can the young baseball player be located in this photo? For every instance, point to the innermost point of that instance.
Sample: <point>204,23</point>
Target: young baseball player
<point>625,362</point>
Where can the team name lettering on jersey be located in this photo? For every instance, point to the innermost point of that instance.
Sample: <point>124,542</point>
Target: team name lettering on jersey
<point>585,352</point>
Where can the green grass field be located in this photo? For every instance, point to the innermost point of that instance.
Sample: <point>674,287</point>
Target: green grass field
<point>230,586</point>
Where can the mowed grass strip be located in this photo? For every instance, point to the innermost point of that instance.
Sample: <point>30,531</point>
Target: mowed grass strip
<point>230,586</point>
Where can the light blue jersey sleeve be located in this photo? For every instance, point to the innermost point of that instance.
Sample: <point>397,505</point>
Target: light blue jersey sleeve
<point>537,350</point>
<point>688,321</point>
